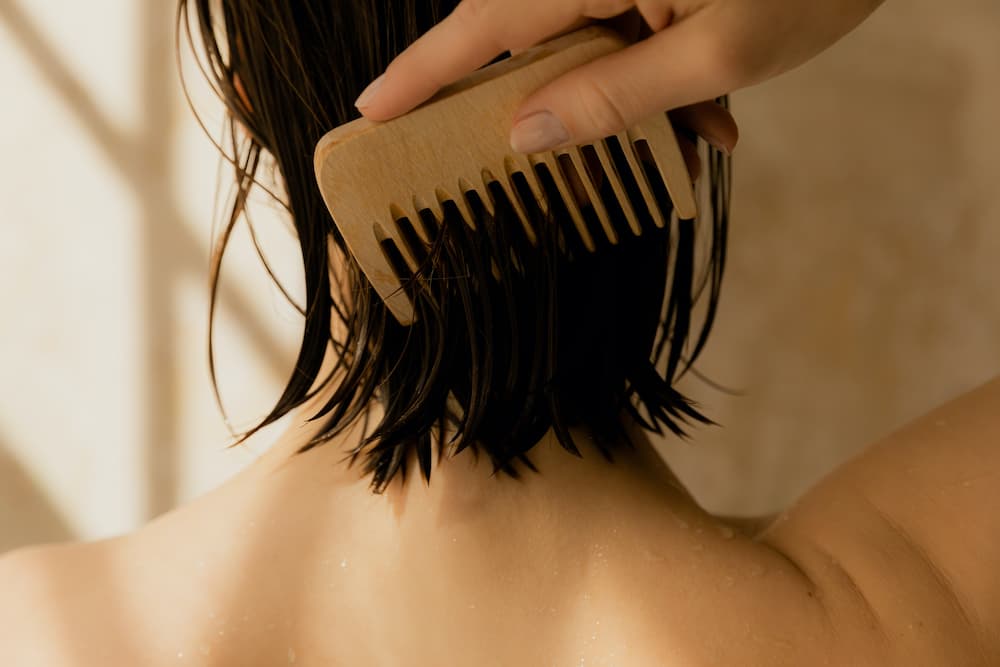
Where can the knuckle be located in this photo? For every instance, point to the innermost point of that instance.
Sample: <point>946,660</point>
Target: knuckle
<point>600,108</point>
<point>471,12</point>
<point>603,9</point>
<point>728,63</point>
<point>479,18</point>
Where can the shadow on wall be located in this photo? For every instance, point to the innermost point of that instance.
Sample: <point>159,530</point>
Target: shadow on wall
<point>168,250</point>
<point>28,516</point>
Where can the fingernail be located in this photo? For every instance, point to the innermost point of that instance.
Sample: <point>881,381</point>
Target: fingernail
<point>537,133</point>
<point>368,94</point>
<point>719,145</point>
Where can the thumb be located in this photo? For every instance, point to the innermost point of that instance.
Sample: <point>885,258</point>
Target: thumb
<point>675,67</point>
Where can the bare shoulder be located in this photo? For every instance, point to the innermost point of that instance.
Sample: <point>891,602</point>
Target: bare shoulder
<point>24,623</point>
<point>46,609</point>
<point>903,541</point>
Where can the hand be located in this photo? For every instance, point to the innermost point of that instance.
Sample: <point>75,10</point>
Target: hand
<point>696,50</point>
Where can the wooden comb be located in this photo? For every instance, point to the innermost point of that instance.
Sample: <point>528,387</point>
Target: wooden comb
<point>374,174</point>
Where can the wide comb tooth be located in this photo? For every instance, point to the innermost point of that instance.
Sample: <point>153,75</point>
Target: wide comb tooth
<point>616,184</point>
<point>569,197</point>
<point>383,277</point>
<point>395,234</point>
<point>666,152</point>
<point>462,203</point>
<point>486,177</point>
<point>434,205</point>
<point>625,139</point>
<point>515,201</point>
<point>576,155</point>
<point>521,163</point>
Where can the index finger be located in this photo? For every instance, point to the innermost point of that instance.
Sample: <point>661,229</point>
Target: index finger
<point>475,32</point>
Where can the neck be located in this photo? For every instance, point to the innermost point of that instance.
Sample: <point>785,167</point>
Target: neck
<point>462,486</point>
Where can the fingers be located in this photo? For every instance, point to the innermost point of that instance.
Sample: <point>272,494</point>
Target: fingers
<point>710,121</point>
<point>476,32</point>
<point>628,25</point>
<point>672,68</point>
<point>581,22</point>
<point>689,150</point>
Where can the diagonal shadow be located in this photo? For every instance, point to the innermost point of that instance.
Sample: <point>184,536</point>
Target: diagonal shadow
<point>27,515</point>
<point>159,250</point>
<point>168,249</point>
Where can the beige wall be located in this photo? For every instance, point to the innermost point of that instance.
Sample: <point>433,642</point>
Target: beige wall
<point>864,282</point>
<point>860,289</point>
<point>106,412</point>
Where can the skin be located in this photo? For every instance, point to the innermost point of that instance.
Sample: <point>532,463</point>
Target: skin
<point>684,52</point>
<point>606,564</point>
<point>890,560</point>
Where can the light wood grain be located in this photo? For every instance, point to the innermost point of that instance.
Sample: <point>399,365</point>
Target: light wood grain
<point>372,174</point>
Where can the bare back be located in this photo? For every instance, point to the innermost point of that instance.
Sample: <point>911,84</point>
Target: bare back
<point>639,576</point>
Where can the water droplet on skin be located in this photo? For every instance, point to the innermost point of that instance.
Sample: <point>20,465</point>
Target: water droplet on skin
<point>682,523</point>
<point>472,606</point>
<point>343,563</point>
<point>291,656</point>
<point>729,581</point>
<point>180,655</point>
<point>652,555</point>
<point>756,571</point>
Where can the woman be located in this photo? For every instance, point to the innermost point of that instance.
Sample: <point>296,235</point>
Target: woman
<point>481,560</point>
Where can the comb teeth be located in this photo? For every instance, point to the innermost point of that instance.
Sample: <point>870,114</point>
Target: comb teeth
<point>388,185</point>
<point>588,166</point>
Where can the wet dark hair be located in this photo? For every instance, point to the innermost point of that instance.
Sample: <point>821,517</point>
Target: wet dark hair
<point>563,338</point>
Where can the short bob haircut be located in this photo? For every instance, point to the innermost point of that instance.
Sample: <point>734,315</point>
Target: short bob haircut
<point>563,338</point>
